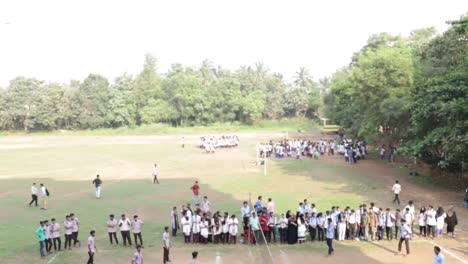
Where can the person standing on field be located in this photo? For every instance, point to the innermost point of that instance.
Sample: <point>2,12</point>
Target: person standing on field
<point>406,234</point>
<point>97,183</point>
<point>396,190</point>
<point>124,224</point>
<point>196,192</point>
<point>40,232</point>
<point>33,194</point>
<point>138,256</point>
<point>112,229</point>
<point>76,229</point>
<point>137,224</point>
<point>92,249</point>
<point>155,173</point>
<point>330,235</point>
<point>56,235</point>
<point>166,245</point>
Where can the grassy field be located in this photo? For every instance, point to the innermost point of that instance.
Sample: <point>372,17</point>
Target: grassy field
<point>292,125</point>
<point>67,166</point>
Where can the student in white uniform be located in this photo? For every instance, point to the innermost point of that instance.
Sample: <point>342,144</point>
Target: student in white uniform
<point>48,236</point>
<point>342,229</point>
<point>124,224</point>
<point>92,249</point>
<point>204,230</point>
<point>186,227</point>
<point>301,229</point>
<point>389,220</point>
<point>33,194</point>
<point>396,190</point>
<point>440,221</point>
<point>68,226</point>
<point>137,224</point>
<point>405,236</point>
<point>45,196</point>
<point>233,229</point>
<point>155,173</point>
<point>431,221</point>
<point>56,235</point>
<point>196,220</point>
<point>76,229</point>
<point>137,256</point>
<point>422,222</point>
<point>330,235</point>
<point>112,229</point>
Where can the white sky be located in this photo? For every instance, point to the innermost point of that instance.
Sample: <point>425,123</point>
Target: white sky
<point>62,40</point>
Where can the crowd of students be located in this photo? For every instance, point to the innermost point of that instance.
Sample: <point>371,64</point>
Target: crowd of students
<point>50,234</point>
<point>351,150</point>
<point>262,224</point>
<point>211,143</point>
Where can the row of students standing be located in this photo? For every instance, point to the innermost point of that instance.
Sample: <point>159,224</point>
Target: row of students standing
<point>49,234</point>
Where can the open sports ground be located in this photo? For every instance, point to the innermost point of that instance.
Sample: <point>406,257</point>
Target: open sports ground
<point>68,164</point>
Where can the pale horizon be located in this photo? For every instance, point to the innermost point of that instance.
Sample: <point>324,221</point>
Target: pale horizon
<point>59,41</point>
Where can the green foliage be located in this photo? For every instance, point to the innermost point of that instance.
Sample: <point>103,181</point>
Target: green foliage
<point>411,92</point>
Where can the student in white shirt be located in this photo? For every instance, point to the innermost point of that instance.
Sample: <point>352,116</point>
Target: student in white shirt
<point>112,229</point>
<point>431,221</point>
<point>233,229</point>
<point>330,235</point>
<point>137,224</point>
<point>352,222</point>
<point>137,256</point>
<point>270,206</point>
<point>272,223</point>
<point>186,228</point>
<point>312,227</point>
<point>440,221</point>
<point>389,221</point>
<point>45,196</point>
<point>283,228</point>
<point>205,205</point>
<point>48,236</point>
<point>75,229</point>
<point>341,229</point>
<point>166,245</point>
<point>33,194</point>
<point>196,221</point>
<point>55,228</point>
<point>396,190</point>
<point>68,226</point>
<point>411,210</point>
<point>422,222</point>
<point>406,234</point>
<point>155,173</point>
<point>124,224</point>
<point>92,249</point>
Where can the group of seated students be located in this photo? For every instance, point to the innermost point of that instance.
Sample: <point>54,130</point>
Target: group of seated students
<point>297,148</point>
<point>211,143</point>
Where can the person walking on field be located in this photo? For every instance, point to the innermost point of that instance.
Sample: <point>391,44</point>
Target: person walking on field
<point>33,194</point>
<point>330,235</point>
<point>406,233</point>
<point>45,196</point>
<point>439,257</point>
<point>138,256</point>
<point>166,245</point>
<point>396,190</point>
<point>97,183</point>
<point>196,192</point>
<point>92,249</point>
<point>155,173</point>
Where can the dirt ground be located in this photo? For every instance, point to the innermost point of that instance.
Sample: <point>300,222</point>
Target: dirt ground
<point>455,249</point>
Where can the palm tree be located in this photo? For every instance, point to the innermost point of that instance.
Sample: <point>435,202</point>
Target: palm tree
<point>303,78</point>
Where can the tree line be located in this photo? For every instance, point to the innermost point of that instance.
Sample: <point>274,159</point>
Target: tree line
<point>410,92</point>
<point>183,96</point>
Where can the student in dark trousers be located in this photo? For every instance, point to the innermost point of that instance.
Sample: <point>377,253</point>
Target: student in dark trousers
<point>34,192</point>
<point>330,235</point>
<point>405,232</point>
<point>91,247</point>
<point>124,224</point>
<point>166,245</point>
<point>55,228</point>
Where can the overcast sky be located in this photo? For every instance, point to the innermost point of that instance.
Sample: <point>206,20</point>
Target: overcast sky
<point>62,40</point>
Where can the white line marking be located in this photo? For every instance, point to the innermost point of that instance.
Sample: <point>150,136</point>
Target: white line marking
<point>52,259</point>
<point>218,258</point>
<point>284,257</point>
<point>450,253</point>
